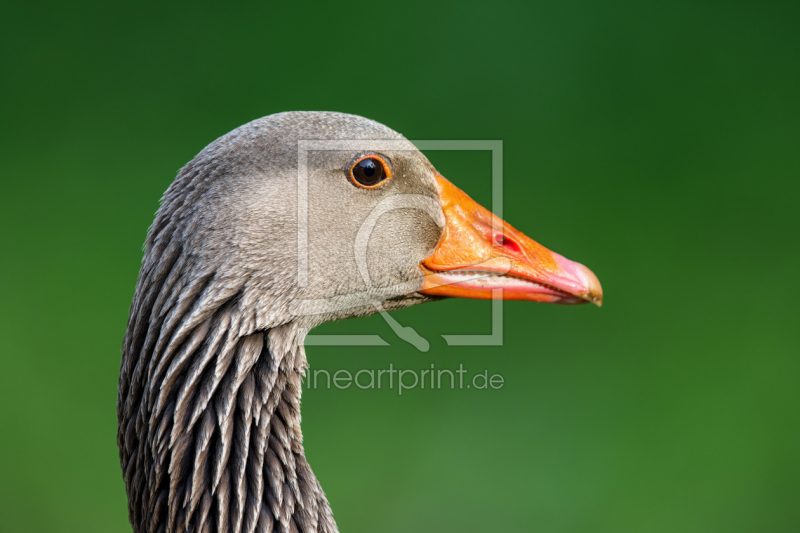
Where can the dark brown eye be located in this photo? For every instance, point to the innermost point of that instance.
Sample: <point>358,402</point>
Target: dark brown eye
<point>370,172</point>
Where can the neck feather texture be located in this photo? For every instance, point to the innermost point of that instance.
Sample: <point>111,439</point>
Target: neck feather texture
<point>209,417</point>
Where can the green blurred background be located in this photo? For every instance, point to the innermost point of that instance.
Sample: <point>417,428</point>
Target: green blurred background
<point>658,143</point>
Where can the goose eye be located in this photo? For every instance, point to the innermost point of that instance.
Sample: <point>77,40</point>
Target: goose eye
<point>370,172</point>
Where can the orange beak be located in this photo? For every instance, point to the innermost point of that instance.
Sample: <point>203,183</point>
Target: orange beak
<point>480,253</point>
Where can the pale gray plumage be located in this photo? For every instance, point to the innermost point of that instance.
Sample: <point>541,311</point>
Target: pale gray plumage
<point>212,362</point>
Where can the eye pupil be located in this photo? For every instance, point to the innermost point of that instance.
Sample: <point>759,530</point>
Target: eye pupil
<point>368,172</point>
<point>369,168</point>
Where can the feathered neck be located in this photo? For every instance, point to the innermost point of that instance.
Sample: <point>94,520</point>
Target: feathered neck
<point>209,418</point>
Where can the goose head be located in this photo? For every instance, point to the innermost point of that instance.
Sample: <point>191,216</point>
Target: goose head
<point>287,222</point>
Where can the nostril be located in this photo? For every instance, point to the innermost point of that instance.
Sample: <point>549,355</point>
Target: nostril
<point>507,242</point>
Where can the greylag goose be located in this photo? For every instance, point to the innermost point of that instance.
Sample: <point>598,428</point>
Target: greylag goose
<point>260,238</point>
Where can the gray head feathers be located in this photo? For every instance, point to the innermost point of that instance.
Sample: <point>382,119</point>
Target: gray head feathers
<point>259,238</point>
